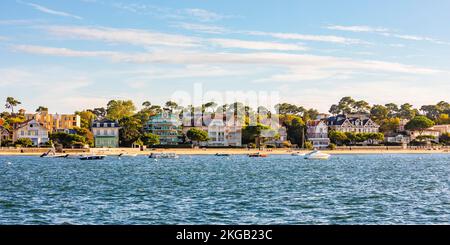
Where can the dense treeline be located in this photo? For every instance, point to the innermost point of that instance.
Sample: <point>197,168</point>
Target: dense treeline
<point>293,117</point>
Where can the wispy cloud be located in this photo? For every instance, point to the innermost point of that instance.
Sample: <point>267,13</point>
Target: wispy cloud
<point>211,29</point>
<point>303,37</point>
<point>304,61</point>
<point>256,45</point>
<point>204,15</point>
<point>384,32</point>
<point>357,28</point>
<point>51,11</point>
<point>130,36</point>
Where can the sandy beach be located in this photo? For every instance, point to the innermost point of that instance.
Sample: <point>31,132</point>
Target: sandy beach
<point>231,151</point>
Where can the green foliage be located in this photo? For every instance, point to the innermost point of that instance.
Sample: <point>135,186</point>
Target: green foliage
<point>309,145</point>
<point>379,113</point>
<point>419,123</point>
<point>41,109</point>
<point>197,135</point>
<point>295,128</point>
<point>389,125</point>
<point>445,139</point>
<point>425,138</point>
<point>286,144</point>
<point>86,134</point>
<point>118,109</point>
<point>337,137</point>
<point>23,142</point>
<point>67,140</point>
<point>130,130</point>
<point>11,103</point>
<point>332,146</point>
<point>86,118</point>
<point>150,139</point>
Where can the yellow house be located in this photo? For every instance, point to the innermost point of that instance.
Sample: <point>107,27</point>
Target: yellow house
<point>55,122</point>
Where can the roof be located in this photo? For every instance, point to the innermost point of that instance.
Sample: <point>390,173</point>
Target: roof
<point>340,119</point>
<point>102,122</point>
<point>21,125</point>
<point>313,123</point>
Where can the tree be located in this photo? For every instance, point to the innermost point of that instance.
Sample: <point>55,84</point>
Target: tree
<point>67,140</point>
<point>118,109</point>
<point>445,139</point>
<point>361,106</point>
<point>407,111</point>
<point>286,108</point>
<point>86,118</point>
<point>431,111</point>
<point>99,113</point>
<point>41,109</point>
<point>392,109</point>
<point>171,106</point>
<point>86,134</point>
<point>23,142</point>
<point>11,103</point>
<point>197,135</point>
<point>150,139</point>
<point>378,113</point>
<point>389,125</point>
<point>295,128</point>
<point>337,137</point>
<point>130,130</point>
<point>419,123</point>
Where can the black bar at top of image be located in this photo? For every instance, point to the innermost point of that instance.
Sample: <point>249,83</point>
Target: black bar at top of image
<point>225,234</point>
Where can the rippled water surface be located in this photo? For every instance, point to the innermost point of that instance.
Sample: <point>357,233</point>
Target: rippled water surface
<point>347,189</point>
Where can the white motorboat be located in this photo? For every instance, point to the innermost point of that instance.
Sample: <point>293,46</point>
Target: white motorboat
<point>298,154</point>
<point>163,155</point>
<point>52,154</point>
<point>92,157</point>
<point>317,155</point>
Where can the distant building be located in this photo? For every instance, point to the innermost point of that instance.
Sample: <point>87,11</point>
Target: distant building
<point>167,126</point>
<point>5,135</point>
<point>353,123</point>
<point>317,133</point>
<point>224,131</point>
<point>443,129</point>
<point>398,139</point>
<point>32,130</point>
<point>106,133</point>
<point>430,131</point>
<point>55,122</point>
<point>402,124</point>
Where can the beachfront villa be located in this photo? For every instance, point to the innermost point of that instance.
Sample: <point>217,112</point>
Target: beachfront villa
<point>430,131</point>
<point>32,130</point>
<point>317,133</point>
<point>353,123</point>
<point>56,122</point>
<point>106,133</point>
<point>167,126</point>
<point>224,132</point>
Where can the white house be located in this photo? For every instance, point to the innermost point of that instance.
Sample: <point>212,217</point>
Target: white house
<point>317,133</point>
<point>224,132</point>
<point>353,123</point>
<point>32,130</point>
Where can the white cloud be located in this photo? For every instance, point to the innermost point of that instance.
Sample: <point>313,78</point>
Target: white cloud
<point>303,37</point>
<point>260,58</point>
<point>204,15</point>
<point>202,28</point>
<point>357,28</point>
<point>51,11</point>
<point>384,32</point>
<point>256,45</point>
<point>130,36</point>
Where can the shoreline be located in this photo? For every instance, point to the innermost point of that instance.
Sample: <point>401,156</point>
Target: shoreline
<point>231,151</point>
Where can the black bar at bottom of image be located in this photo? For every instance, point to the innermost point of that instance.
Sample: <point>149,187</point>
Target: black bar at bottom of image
<point>203,234</point>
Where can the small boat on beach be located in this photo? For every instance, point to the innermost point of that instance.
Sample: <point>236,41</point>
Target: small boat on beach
<point>222,155</point>
<point>258,154</point>
<point>317,155</point>
<point>92,157</point>
<point>127,155</point>
<point>163,155</point>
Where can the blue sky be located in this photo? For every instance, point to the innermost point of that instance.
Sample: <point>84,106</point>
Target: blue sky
<point>71,55</point>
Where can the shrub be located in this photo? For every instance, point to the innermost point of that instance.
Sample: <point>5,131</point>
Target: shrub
<point>309,145</point>
<point>24,142</point>
<point>332,146</point>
